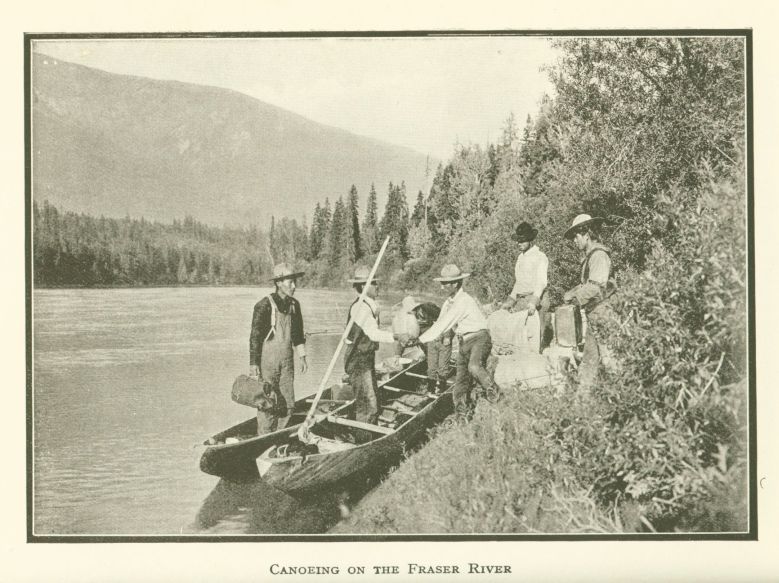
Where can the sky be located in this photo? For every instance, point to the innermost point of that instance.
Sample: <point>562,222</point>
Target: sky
<point>424,93</point>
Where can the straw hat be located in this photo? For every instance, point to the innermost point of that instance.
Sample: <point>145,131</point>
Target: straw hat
<point>361,275</point>
<point>581,221</point>
<point>284,271</point>
<point>450,272</point>
<point>409,303</point>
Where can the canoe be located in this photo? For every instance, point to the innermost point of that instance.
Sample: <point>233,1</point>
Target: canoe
<point>349,450</point>
<point>232,453</point>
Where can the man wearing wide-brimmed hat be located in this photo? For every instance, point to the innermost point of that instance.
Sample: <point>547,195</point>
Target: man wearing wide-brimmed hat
<point>463,314</point>
<point>530,279</point>
<point>438,351</point>
<point>594,288</point>
<point>277,327</point>
<point>361,345</point>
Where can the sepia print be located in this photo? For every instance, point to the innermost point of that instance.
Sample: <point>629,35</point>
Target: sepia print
<point>333,286</point>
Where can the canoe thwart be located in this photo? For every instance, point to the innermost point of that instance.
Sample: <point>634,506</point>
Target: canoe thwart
<point>359,425</point>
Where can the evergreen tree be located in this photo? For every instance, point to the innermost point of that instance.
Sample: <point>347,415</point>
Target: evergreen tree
<point>336,244</point>
<point>318,233</point>
<point>354,251</point>
<point>370,228</point>
<point>418,216</point>
<point>395,222</point>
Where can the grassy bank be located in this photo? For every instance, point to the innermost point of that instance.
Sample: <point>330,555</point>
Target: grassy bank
<point>502,473</point>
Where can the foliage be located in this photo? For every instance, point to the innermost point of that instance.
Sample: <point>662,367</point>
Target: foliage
<point>72,249</point>
<point>675,411</point>
<point>370,226</point>
<point>648,132</point>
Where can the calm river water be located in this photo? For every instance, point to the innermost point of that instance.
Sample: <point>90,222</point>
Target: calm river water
<point>128,382</point>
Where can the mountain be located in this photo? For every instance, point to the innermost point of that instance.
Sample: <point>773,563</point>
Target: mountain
<point>121,145</point>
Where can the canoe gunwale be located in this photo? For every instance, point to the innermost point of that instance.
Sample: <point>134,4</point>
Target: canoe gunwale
<point>218,459</point>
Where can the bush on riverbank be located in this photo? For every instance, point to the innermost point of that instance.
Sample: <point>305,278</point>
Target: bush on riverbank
<point>502,473</point>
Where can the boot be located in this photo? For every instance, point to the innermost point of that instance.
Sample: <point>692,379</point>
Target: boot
<point>463,413</point>
<point>441,385</point>
<point>492,393</point>
<point>431,384</point>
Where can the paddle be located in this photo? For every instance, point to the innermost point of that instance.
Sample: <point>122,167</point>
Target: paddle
<point>304,427</point>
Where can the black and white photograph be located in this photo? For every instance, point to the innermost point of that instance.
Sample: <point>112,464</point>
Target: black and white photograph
<point>347,285</point>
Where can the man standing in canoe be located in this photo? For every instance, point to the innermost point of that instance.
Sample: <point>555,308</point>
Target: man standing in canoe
<point>530,279</point>
<point>438,351</point>
<point>361,345</point>
<point>594,288</point>
<point>277,326</point>
<point>463,314</point>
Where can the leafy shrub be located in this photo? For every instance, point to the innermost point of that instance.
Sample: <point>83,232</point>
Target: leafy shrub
<point>675,412</point>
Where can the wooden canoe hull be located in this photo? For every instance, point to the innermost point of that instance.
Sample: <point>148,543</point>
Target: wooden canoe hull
<point>237,459</point>
<point>302,476</point>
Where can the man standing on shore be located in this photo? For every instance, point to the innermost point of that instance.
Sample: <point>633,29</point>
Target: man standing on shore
<point>277,326</point>
<point>361,345</point>
<point>463,314</point>
<point>594,288</point>
<point>530,281</point>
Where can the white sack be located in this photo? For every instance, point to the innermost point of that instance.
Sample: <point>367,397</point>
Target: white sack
<point>518,330</point>
<point>527,367</point>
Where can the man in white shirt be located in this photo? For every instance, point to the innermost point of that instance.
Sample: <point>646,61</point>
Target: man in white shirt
<point>462,313</point>
<point>530,279</point>
<point>361,345</point>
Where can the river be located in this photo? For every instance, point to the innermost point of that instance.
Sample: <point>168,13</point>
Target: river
<point>127,383</point>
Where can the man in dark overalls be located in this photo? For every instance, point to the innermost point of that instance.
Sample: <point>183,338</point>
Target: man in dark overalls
<point>361,345</point>
<point>277,327</point>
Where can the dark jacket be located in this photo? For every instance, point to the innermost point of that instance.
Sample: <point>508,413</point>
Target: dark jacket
<point>261,324</point>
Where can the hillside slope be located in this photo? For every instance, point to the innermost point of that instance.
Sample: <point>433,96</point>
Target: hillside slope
<point>116,145</point>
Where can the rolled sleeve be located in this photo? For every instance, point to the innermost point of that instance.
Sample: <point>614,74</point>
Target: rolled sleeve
<point>445,322</point>
<point>298,334</point>
<point>541,277</point>
<point>363,317</point>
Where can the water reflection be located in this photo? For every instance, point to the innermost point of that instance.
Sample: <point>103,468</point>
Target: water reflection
<point>254,507</point>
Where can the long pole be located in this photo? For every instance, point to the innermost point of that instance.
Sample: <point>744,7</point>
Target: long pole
<point>303,431</point>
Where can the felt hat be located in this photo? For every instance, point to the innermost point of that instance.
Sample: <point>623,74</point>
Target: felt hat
<point>524,233</point>
<point>581,221</point>
<point>361,274</point>
<point>450,272</point>
<point>284,271</point>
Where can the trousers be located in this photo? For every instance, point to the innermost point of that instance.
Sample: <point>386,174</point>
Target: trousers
<point>366,405</point>
<point>471,363</point>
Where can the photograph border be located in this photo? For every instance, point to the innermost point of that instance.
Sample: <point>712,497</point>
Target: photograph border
<point>750,535</point>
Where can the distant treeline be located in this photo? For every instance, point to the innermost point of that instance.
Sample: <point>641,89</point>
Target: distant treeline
<point>71,249</point>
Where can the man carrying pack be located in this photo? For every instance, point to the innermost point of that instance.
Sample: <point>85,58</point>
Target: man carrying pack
<point>530,280</point>
<point>594,288</point>
<point>277,326</point>
<point>463,314</point>
<point>361,345</point>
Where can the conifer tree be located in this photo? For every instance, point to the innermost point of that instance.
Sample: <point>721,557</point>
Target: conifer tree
<point>370,232</point>
<point>354,247</point>
<point>336,244</point>
<point>395,222</point>
<point>418,216</point>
